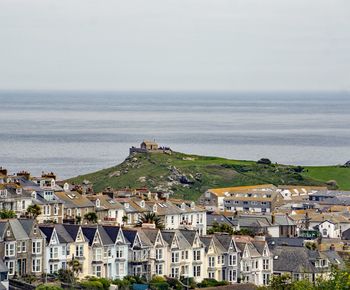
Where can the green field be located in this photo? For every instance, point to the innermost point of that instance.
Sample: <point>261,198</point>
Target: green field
<point>156,172</point>
<point>325,173</point>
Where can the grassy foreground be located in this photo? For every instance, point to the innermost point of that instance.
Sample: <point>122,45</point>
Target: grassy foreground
<point>188,176</point>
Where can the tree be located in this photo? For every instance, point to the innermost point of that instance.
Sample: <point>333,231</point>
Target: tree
<point>7,214</point>
<point>91,217</point>
<point>151,218</point>
<point>34,211</point>
<point>78,220</point>
<point>220,228</point>
<point>75,267</point>
<point>125,219</point>
<point>265,161</point>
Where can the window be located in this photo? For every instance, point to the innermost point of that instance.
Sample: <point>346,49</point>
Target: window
<point>54,253</point>
<point>196,255</point>
<point>296,276</point>
<point>108,253</point>
<point>211,275</point>
<point>159,254</point>
<point>36,247</point>
<point>211,261</point>
<point>232,260</point>
<point>159,269</point>
<point>36,265</point>
<point>23,205</point>
<point>10,249</point>
<point>265,264</point>
<point>174,272</point>
<point>79,251</point>
<point>172,219</point>
<point>97,270</point>
<point>55,209</point>
<point>119,253</point>
<point>196,271</point>
<point>120,268</point>
<point>232,275</point>
<point>219,260</point>
<point>175,257</point>
<point>98,254</point>
<point>53,268</point>
<point>266,279</point>
<point>47,210</point>
<point>11,267</point>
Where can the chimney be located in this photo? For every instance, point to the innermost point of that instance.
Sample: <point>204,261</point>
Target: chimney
<point>24,174</point>
<point>3,171</point>
<point>273,218</point>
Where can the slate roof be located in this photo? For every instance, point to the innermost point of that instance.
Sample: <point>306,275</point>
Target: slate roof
<point>294,242</point>
<point>3,226</point>
<point>220,219</point>
<point>300,259</point>
<point>72,230</point>
<point>346,234</point>
<point>112,232</point>
<point>27,225</point>
<point>151,234</point>
<point>189,235</point>
<point>18,230</point>
<point>130,235</point>
<point>47,231</point>
<point>74,199</point>
<point>225,240</point>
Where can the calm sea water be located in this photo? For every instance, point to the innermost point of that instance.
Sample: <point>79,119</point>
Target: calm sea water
<point>75,133</point>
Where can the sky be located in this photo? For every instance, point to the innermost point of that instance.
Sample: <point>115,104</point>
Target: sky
<point>229,45</point>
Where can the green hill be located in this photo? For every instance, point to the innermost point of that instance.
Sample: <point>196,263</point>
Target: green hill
<point>188,176</point>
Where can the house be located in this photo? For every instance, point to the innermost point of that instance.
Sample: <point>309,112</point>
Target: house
<point>230,260</point>
<point>78,249</point>
<point>108,210</point>
<point>257,198</point>
<point>300,263</point>
<point>158,253</point>
<point>4,282</point>
<point>100,254</point>
<point>256,260</point>
<point>287,226</point>
<point>139,253</point>
<point>119,252</point>
<point>215,257</point>
<point>329,229</point>
<point>57,247</point>
<point>22,247</point>
<point>149,145</point>
<point>75,206</point>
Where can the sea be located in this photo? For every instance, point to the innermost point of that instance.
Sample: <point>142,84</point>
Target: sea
<point>72,133</point>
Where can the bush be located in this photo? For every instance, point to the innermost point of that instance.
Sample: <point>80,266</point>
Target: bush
<point>265,161</point>
<point>211,283</point>
<point>48,287</point>
<point>92,285</point>
<point>159,286</point>
<point>105,282</point>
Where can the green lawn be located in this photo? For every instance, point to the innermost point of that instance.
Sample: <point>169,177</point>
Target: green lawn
<point>326,173</point>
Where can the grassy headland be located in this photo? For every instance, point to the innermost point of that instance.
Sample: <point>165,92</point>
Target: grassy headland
<point>188,176</point>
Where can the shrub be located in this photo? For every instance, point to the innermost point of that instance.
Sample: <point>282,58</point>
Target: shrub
<point>91,285</point>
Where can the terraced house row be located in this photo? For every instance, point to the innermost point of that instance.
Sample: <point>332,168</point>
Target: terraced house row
<point>61,202</point>
<point>114,252</point>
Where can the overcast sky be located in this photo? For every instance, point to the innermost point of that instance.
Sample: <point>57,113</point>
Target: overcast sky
<point>175,45</point>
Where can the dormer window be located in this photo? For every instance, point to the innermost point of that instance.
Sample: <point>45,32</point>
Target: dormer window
<point>142,203</point>
<point>183,206</point>
<point>98,203</point>
<point>192,205</point>
<point>19,190</point>
<point>154,208</point>
<point>126,205</point>
<point>53,183</point>
<point>66,187</point>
